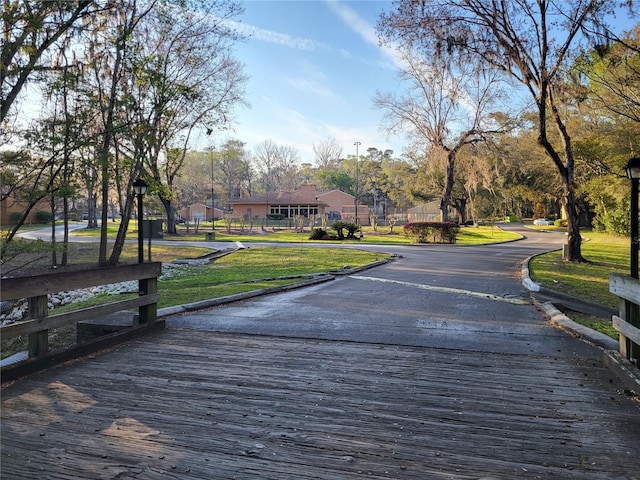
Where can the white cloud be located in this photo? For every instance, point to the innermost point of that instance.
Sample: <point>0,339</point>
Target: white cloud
<point>368,33</point>
<point>312,80</point>
<point>277,38</point>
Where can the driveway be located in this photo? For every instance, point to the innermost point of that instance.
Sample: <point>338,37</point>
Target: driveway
<point>462,297</point>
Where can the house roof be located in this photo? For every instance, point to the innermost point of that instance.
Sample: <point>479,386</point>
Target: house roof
<point>298,197</point>
<point>320,195</point>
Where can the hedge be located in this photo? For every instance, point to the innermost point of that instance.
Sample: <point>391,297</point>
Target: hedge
<point>432,232</point>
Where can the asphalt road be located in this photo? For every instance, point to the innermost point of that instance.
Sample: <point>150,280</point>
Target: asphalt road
<point>460,297</point>
<point>463,297</point>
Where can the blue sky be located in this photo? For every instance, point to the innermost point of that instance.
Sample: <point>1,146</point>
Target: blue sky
<point>314,67</point>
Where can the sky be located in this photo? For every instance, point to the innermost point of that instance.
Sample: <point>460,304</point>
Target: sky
<point>314,67</point>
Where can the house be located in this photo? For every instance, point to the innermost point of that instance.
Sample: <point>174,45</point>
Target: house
<point>341,205</point>
<point>11,209</point>
<point>304,202</point>
<point>200,212</point>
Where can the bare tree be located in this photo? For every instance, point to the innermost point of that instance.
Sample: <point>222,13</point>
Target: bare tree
<point>279,164</point>
<point>443,110</point>
<point>532,42</point>
<point>266,155</point>
<point>235,170</point>
<point>328,153</point>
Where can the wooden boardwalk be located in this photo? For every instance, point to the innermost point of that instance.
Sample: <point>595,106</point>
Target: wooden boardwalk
<point>184,404</point>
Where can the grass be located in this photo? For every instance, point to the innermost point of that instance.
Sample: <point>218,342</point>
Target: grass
<point>467,235</point>
<point>87,253</point>
<point>232,273</point>
<point>606,254</point>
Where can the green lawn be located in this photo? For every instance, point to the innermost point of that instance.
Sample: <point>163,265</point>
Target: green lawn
<point>256,268</point>
<point>606,254</point>
<point>466,236</point>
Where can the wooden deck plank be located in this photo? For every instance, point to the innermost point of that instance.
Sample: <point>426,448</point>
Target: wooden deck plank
<point>195,405</point>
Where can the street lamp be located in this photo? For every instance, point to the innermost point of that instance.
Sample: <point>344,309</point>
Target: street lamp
<point>213,203</point>
<point>140,187</point>
<point>632,311</point>
<point>357,144</point>
<point>633,172</point>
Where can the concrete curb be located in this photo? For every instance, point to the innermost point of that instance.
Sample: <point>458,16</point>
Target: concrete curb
<point>626,372</point>
<point>213,302</point>
<point>560,319</point>
<point>309,280</point>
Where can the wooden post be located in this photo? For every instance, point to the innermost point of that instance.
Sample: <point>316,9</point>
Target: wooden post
<point>38,341</point>
<point>148,313</point>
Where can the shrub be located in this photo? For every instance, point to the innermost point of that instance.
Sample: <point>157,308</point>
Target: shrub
<point>43,216</point>
<point>318,234</point>
<point>15,217</point>
<point>560,222</point>
<point>432,232</point>
<point>339,227</point>
<point>352,228</point>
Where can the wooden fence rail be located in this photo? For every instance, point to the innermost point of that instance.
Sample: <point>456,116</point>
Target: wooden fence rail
<point>36,289</point>
<point>627,322</point>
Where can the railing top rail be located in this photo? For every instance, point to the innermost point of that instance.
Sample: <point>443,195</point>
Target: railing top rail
<point>54,282</point>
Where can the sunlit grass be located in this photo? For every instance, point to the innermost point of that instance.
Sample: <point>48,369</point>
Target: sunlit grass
<point>246,270</point>
<point>227,275</point>
<point>606,254</point>
<point>383,236</point>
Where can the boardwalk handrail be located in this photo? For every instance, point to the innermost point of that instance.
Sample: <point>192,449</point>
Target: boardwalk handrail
<point>628,290</point>
<point>36,289</point>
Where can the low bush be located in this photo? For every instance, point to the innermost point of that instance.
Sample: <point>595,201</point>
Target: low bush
<point>341,226</point>
<point>43,216</point>
<point>318,234</point>
<point>15,217</point>
<point>432,232</point>
<point>560,222</point>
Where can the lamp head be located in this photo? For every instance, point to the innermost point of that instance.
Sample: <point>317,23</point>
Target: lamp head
<point>633,168</point>
<point>139,186</point>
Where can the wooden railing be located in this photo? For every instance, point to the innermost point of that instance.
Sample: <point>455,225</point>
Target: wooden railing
<point>628,320</point>
<point>36,288</point>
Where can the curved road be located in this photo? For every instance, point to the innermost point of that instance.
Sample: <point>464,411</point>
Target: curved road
<point>464,297</point>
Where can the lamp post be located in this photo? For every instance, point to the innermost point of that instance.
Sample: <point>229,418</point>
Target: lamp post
<point>357,144</point>
<point>140,187</point>
<point>633,172</point>
<point>213,203</point>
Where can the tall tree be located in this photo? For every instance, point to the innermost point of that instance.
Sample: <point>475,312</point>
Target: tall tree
<point>279,166</point>
<point>30,28</point>
<point>235,170</point>
<point>610,75</point>
<point>444,109</point>
<point>533,42</point>
<point>328,153</point>
<point>185,77</point>
<point>108,56</point>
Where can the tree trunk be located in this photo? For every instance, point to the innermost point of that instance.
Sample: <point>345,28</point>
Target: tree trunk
<point>122,231</point>
<point>171,216</point>
<point>574,239</point>
<point>448,187</point>
<point>65,234</point>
